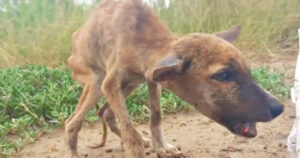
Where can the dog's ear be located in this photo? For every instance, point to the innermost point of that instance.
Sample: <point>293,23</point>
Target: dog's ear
<point>229,35</point>
<point>167,68</point>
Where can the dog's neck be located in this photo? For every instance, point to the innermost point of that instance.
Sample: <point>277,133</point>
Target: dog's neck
<point>156,54</point>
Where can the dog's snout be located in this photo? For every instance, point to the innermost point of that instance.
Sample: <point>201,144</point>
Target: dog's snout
<point>276,109</point>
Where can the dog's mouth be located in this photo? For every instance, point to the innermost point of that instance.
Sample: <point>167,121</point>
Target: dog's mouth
<point>247,129</point>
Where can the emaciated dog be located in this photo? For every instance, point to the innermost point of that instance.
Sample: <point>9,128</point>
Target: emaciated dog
<point>124,44</point>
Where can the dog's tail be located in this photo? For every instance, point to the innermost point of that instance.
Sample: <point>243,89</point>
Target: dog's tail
<point>104,135</point>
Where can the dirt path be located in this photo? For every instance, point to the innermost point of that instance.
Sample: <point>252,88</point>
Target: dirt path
<point>197,136</point>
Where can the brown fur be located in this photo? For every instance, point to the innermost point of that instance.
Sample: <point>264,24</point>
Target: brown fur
<point>123,44</point>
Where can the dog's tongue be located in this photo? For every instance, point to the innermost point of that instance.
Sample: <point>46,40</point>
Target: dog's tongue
<point>249,130</point>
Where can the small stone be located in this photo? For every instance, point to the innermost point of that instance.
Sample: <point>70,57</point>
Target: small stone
<point>179,148</point>
<point>108,150</point>
<point>145,132</point>
<point>182,124</point>
<point>148,153</point>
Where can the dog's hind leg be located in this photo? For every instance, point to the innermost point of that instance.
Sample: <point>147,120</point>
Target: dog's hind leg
<point>107,118</point>
<point>82,98</point>
<point>89,98</point>
<point>159,142</point>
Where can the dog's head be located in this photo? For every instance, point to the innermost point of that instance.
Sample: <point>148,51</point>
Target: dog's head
<point>209,73</point>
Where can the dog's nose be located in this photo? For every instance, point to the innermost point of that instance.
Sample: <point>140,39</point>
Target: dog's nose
<point>276,109</point>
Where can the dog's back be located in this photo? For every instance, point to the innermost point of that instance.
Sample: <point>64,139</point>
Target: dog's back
<point>128,25</point>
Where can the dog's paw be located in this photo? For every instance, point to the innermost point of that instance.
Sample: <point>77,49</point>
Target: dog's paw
<point>169,151</point>
<point>146,142</point>
<point>72,156</point>
<point>171,156</point>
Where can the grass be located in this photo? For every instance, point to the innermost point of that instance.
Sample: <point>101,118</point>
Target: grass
<point>35,31</point>
<point>38,31</point>
<point>32,100</point>
<point>35,98</point>
<point>265,24</point>
<point>271,81</point>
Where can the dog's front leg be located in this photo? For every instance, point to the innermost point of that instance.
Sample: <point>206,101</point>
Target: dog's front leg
<point>132,140</point>
<point>159,142</point>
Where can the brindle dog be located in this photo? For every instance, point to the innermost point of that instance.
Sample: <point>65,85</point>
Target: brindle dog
<point>124,44</point>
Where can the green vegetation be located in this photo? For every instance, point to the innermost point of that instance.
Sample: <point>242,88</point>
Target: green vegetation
<point>35,31</point>
<point>32,100</point>
<point>38,31</point>
<point>271,81</point>
<point>35,99</point>
<point>265,24</point>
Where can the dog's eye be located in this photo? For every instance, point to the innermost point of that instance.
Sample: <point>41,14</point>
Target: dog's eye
<point>224,76</point>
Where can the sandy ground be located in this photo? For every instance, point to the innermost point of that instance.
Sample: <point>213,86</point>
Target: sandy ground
<point>194,134</point>
<point>197,137</point>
